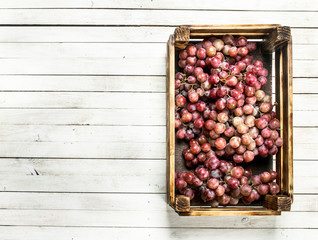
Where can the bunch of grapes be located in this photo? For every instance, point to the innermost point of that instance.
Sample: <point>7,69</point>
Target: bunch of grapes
<point>223,183</point>
<point>221,109</point>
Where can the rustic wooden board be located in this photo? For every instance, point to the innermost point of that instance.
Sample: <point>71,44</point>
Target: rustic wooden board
<point>163,4</point>
<point>124,34</point>
<point>57,68</point>
<point>115,17</point>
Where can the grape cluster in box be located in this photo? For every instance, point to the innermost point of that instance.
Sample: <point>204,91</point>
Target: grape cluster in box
<point>226,118</point>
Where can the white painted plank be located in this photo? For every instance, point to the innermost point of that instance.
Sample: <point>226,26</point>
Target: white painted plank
<point>48,34</point>
<point>83,83</point>
<point>130,117</point>
<point>106,117</point>
<point>82,100</point>
<point>87,175</point>
<point>111,83</point>
<point>151,219</point>
<point>103,134</point>
<point>110,51</point>
<point>110,66</point>
<point>112,201</point>
<point>302,102</point>
<point>95,150</point>
<point>305,85</point>
<point>79,233</point>
<point>82,167</point>
<point>152,17</point>
<point>88,66</point>
<point>165,4</point>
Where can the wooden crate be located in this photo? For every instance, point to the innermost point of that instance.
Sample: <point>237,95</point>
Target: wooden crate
<point>276,38</point>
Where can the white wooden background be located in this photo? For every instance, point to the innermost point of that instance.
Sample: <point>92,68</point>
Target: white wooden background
<point>82,119</point>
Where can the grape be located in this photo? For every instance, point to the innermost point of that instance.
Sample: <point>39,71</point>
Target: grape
<point>219,128</point>
<point>235,142</point>
<point>265,177</point>
<point>273,150</point>
<point>242,128</point>
<point>191,50</point>
<point>229,150</point>
<point>236,193</point>
<point>248,156</point>
<point>222,111</point>
<point>212,163</point>
<point>223,166</point>
<point>263,150</point>
<point>231,81</point>
<point>203,174</point>
<point>237,172</point>
<point>274,135</point>
<point>214,203</point>
<point>228,39</point>
<point>195,115</point>
<point>189,193</point>
<point>238,158</point>
<point>263,189</point>
<point>274,188</point>
<point>180,101</point>
<point>188,177</point>
<point>241,149</point>
<point>266,132</point>
<point>195,149</point>
<point>196,182</point>
<point>261,123</point>
<point>250,79</point>
<point>181,134</point>
<point>189,156</point>
<point>229,131</point>
<point>216,173</point>
<point>222,118</point>
<point>187,117</point>
<point>201,53</point>
<point>237,121</point>
<point>256,180</point>
<point>250,121</point>
<point>219,191</point>
<point>218,44</point>
<point>206,147</point>
<point>180,184</point>
<point>269,143</point>
<point>241,41</point>
<point>265,107</point>
<point>234,201</point>
<point>247,173</point>
<point>246,190</point>
<point>233,183</point>
<point>224,199</point>
<point>279,142</point>
<point>188,69</point>
<point>232,51</point>
<point>213,183</point>
<point>246,139</point>
<point>200,106</point>
<point>220,143</point>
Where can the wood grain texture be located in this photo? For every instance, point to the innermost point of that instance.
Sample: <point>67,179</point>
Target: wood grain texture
<point>114,17</point>
<point>80,233</point>
<point>163,4</point>
<point>65,66</point>
<point>146,175</point>
<point>100,34</point>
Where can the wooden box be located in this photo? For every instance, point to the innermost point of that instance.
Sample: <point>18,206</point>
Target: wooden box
<point>271,38</point>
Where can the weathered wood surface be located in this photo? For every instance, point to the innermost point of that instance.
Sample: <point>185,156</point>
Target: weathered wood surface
<point>69,65</point>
